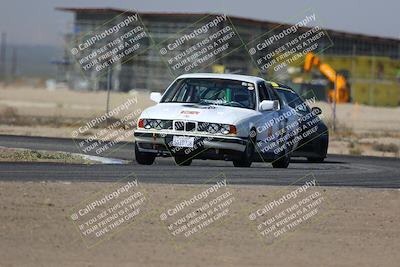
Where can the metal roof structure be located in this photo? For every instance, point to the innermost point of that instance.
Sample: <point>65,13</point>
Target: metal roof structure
<point>236,18</point>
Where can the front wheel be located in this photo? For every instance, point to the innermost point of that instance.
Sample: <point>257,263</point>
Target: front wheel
<point>246,158</point>
<point>183,160</point>
<point>144,158</point>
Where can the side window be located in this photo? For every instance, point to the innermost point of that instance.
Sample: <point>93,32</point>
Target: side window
<point>296,102</point>
<point>262,92</point>
<point>283,97</point>
<point>274,95</point>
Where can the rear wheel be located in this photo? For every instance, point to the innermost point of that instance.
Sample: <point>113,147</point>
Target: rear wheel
<point>246,158</point>
<point>183,160</point>
<point>144,158</point>
<point>283,161</point>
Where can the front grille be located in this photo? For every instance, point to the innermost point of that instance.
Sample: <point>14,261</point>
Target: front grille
<point>179,125</point>
<point>202,126</point>
<point>190,126</point>
<point>187,126</point>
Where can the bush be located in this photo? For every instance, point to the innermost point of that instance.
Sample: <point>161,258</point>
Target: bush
<point>392,148</point>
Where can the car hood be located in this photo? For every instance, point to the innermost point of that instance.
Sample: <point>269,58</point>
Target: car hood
<point>195,112</point>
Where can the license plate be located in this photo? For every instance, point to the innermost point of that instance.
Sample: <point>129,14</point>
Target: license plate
<point>183,141</point>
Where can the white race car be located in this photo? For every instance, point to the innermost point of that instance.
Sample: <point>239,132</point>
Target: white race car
<point>217,116</point>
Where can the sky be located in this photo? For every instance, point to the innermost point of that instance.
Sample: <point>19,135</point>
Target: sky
<point>36,22</point>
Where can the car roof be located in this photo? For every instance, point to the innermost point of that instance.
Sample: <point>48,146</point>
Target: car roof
<point>244,78</point>
<point>285,89</point>
<point>281,86</point>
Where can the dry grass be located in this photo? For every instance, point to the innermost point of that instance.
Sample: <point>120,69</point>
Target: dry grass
<point>8,112</point>
<point>67,103</point>
<point>341,129</point>
<point>354,148</point>
<point>391,148</point>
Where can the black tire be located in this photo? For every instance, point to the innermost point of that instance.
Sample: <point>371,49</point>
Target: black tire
<point>283,161</point>
<point>183,160</point>
<point>144,158</point>
<point>315,160</point>
<point>246,159</point>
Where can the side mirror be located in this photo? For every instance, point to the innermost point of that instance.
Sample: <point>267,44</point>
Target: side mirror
<point>316,111</point>
<point>277,106</point>
<point>267,105</point>
<point>155,96</point>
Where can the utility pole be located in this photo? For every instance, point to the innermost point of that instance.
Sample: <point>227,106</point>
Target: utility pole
<point>334,105</point>
<point>3,46</point>
<point>108,93</point>
<point>14,63</point>
<point>353,70</point>
<point>372,80</point>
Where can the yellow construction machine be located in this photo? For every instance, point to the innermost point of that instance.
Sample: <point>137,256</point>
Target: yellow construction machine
<point>342,94</point>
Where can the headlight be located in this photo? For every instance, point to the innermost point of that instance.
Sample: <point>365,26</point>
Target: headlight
<point>213,128</point>
<point>216,128</point>
<point>157,124</point>
<point>225,128</point>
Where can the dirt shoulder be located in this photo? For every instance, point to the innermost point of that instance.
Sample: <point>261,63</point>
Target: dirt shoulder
<point>27,155</point>
<point>359,227</point>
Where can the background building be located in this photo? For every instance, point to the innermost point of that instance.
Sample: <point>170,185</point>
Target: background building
<point>371,64</point>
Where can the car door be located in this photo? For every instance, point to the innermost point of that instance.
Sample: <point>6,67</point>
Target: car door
<point>294,103</point>
<point>308,122</point>
<point>269,125</point>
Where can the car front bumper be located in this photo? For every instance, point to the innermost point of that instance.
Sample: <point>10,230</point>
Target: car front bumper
<point>161,142</point>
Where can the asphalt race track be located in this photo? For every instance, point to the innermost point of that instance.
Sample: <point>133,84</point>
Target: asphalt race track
<point>337,170</point>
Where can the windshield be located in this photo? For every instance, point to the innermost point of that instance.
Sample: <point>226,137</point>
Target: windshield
<point>207,91</point>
